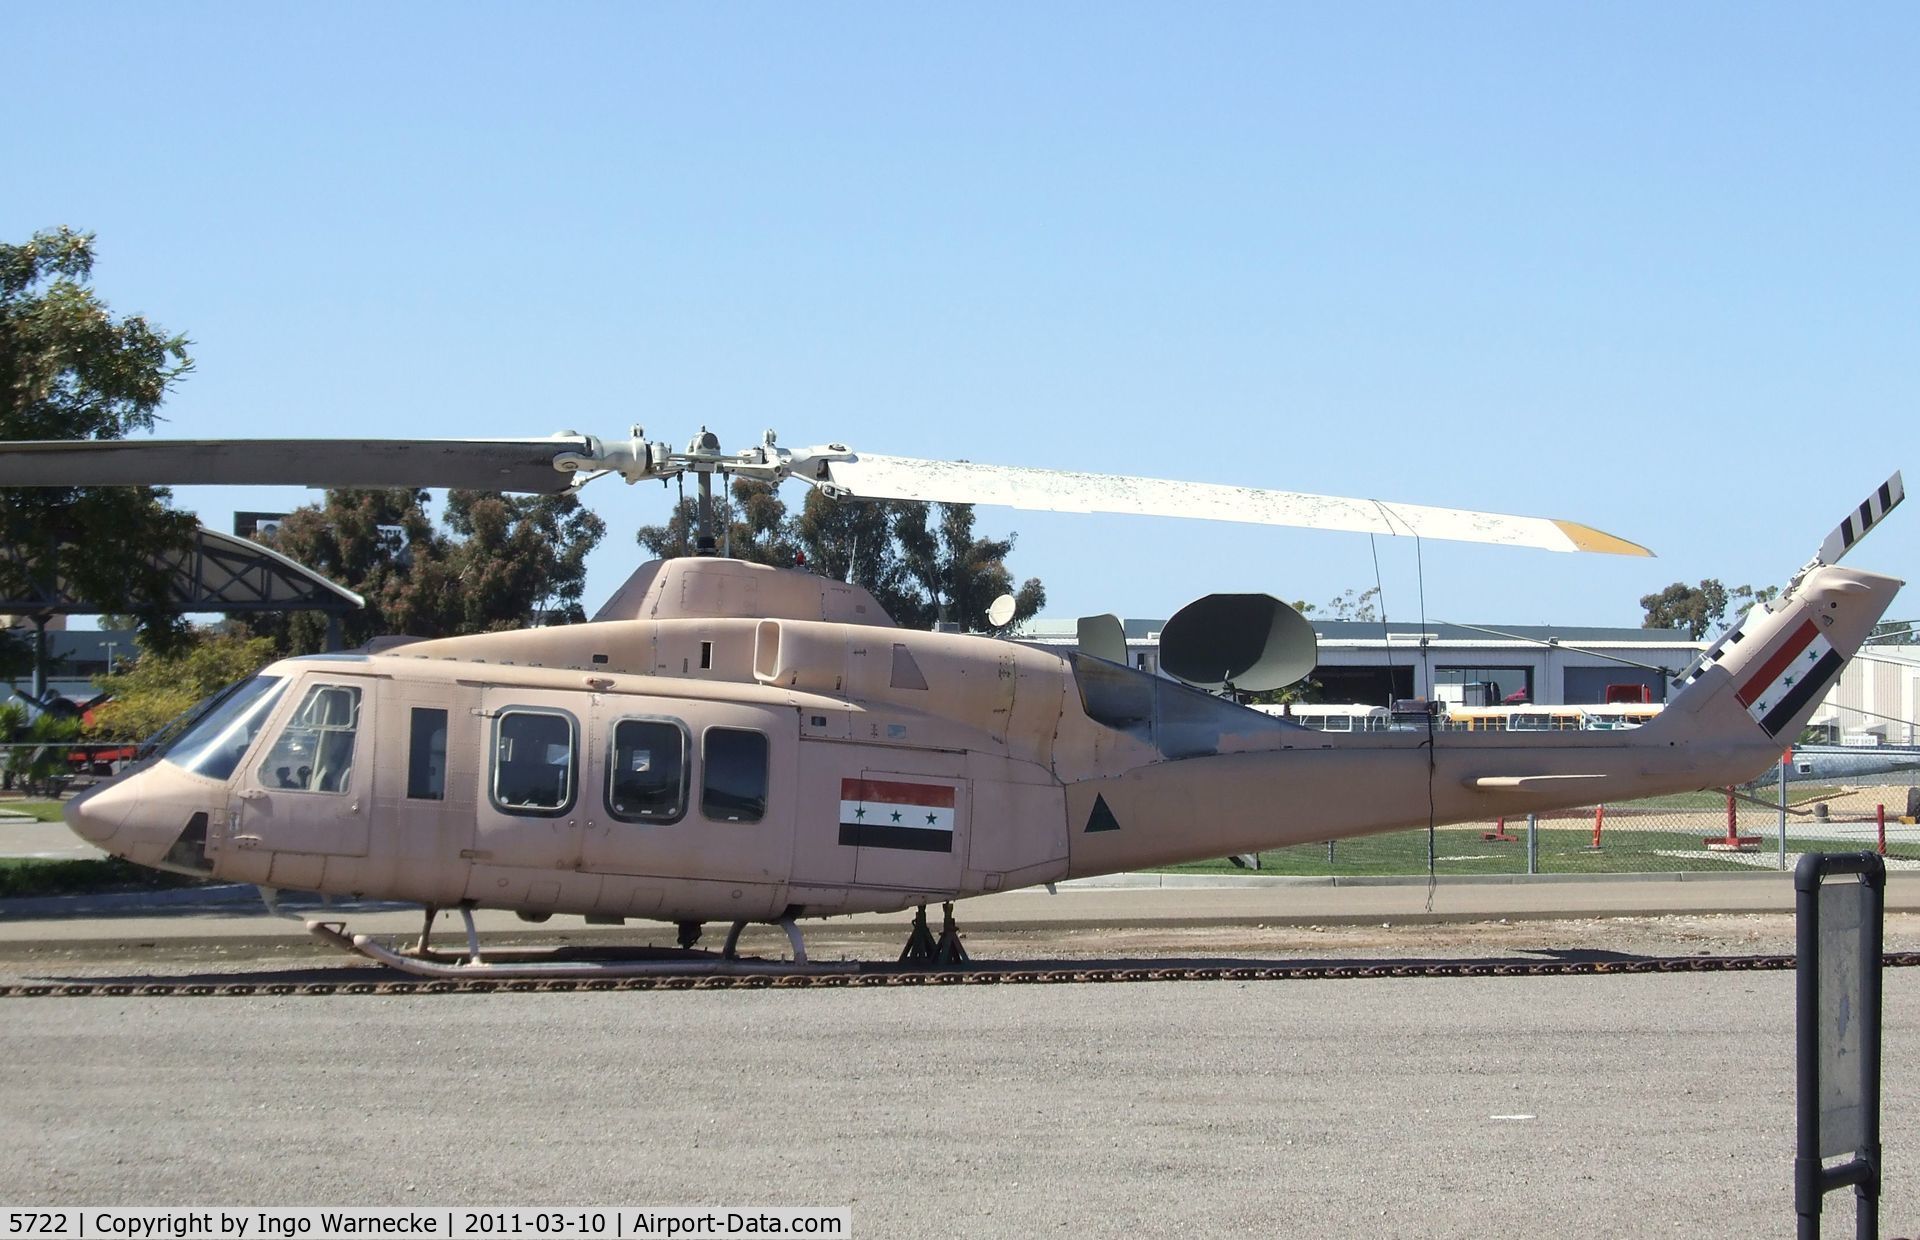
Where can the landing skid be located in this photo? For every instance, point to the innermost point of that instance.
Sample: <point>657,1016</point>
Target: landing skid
<point>422,961</point>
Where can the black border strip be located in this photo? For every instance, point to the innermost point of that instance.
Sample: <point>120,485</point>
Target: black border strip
<point>909,839</point>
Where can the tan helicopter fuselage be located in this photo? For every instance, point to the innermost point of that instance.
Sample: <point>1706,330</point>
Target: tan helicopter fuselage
<point>730,742</point>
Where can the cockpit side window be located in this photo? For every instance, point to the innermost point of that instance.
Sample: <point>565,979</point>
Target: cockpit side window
<point>314,752</point>
<point>222,733</point>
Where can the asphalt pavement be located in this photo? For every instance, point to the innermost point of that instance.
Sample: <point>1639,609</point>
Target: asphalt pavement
<point>1653,1105</point>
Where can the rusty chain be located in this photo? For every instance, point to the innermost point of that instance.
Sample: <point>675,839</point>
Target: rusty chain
<point>979,975</point>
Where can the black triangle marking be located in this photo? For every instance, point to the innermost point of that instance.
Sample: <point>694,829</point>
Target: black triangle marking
<point>1101,819</point>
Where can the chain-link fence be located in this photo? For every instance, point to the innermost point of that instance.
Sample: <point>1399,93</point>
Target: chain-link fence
<point>1741,829</point>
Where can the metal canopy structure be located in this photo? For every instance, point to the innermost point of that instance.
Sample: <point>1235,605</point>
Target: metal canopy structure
<point>220,572</point>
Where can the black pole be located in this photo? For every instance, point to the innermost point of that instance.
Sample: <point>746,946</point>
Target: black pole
<point>1811,1180</point>
<point>704,543</point>
<point>1806,1037</point>
<point>40,658</point>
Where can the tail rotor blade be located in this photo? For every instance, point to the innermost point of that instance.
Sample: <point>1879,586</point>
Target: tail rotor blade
<point>1872,510</point>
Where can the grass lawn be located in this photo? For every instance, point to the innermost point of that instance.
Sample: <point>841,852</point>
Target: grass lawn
<point>1767,793</point>
<point>45,811</point>
<point>1562,850</point>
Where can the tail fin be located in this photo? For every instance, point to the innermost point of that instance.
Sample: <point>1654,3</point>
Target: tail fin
<point>1762,681</point>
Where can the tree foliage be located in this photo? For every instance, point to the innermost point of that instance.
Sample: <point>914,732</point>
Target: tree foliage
<point>1349,605</point>
<point>500,562</point>
<point>158,685</point>
<point>1700,609</point>
<point>923,562</point>
<point>70,370</point>
<point>1896,633</point>
<point>751,520</point>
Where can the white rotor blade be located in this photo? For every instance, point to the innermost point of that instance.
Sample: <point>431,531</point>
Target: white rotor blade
<point>524,465</point>
<point>1871,512</point>
<point>870,476</point>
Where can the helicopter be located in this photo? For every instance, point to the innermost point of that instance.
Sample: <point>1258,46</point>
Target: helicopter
<point>726,742</point>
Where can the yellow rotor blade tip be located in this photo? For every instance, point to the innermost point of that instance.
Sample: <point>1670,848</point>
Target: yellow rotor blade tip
<point>1586,538</point>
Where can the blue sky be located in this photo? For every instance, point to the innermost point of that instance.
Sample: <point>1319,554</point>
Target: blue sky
<point>1648,267</point>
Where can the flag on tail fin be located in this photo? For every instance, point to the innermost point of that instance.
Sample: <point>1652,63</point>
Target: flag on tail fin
<point>1799,670</point>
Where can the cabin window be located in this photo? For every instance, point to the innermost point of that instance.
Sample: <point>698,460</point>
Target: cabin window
<point>733,784</point>
<point>647,771</point>
<point>533,761</point>
<point>427,755</point>
<point>314,752</point>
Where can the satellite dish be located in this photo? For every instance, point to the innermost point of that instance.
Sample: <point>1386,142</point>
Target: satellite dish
<point>1103,637</point>
<point>1253,642</point>
<point>1000,611</point>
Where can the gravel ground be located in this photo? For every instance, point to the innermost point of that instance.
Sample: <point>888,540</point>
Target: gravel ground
<point>155,953</point>
<point>1610,1105</point>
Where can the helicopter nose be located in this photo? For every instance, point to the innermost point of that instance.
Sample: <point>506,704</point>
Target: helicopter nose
<point>97,814</point>
<point>151,817</point>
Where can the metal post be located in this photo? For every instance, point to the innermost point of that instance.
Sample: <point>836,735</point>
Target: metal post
<point>1812,1180</point>
<point>1880,820</point>
<point>704,543</point>
<point>1783,808</point>
<point>1533,843</point>
<point>40,658</point>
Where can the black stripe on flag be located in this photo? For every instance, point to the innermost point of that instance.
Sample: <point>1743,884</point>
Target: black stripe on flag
<point>1810,685</point>
<point>1886,495</point>
<point>913,839</point>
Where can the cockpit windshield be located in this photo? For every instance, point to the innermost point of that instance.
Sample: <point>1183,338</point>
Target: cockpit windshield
<point>220,731</point>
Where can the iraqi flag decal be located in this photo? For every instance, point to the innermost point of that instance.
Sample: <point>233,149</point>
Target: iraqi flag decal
<point>1793,675</point>
<point>891,813</point>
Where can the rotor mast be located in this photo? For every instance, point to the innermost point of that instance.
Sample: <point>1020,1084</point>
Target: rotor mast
<point>636,459</point>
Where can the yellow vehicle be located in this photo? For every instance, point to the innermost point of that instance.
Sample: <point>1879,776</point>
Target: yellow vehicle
<point>1478,718</point>
<point>1325,717</point>
<point>1546,718</point>
<point>1617,715</point>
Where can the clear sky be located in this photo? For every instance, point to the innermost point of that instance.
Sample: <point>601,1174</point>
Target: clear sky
<point>1650,267</point>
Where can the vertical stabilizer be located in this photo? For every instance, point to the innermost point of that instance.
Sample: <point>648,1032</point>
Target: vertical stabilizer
<point>1762,681</point>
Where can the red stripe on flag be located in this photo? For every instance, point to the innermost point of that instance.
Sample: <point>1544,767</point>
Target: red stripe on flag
<point>1777,663</point>
<point>893,792</point>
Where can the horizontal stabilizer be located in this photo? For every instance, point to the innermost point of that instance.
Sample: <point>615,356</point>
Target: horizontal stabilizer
<point>1525,783</point>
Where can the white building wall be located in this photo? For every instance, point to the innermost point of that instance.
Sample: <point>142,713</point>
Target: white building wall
<point>1878,695</point>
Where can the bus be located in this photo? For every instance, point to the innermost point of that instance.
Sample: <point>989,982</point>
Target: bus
<point>1324,717</point>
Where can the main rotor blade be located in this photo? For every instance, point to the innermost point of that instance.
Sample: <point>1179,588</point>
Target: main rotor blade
<point>870,476</point>
<point>524,465</point>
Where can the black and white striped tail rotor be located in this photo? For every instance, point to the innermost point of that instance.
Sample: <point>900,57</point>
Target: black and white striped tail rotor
<point>1858,522</point>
